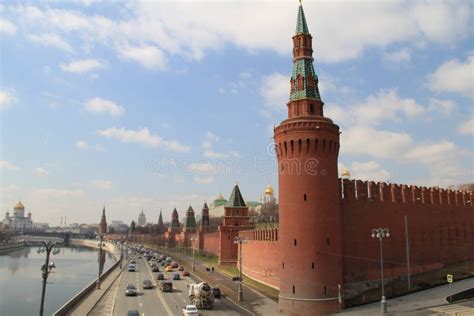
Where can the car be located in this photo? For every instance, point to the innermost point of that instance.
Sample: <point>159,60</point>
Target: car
<point>174,265</point>
<point>190,310</point>
<point>147,284</point>
<point>139,257</point>
<point>160,276</point>
<point>133,261</point>
<point>132,268</point>
<point>181,268</point>
<point>169,269</point>
<point>130,290</point>
<point>176,276</point>
<point>163,264</point>
<point>155,269</point>
<point>133,312</point>
<point>216,292</point>
<point>185,273</point>
<point>166,286</point>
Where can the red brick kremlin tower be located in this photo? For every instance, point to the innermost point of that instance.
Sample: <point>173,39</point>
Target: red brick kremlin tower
<point>103,223</point>
<point>307,147</point>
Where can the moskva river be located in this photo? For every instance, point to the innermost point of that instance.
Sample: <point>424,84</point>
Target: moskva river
<point>20,278</point>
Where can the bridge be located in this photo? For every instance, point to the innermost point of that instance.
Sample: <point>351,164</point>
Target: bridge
<point>37,238</point>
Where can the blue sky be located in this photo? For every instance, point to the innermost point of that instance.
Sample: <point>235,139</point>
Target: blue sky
<point>151,104</point>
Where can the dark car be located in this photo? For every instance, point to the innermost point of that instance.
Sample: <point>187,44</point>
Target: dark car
<point>131,290</point>
<point>160,277</point>
<point>133,312</point>
<point>176,276</point>
<point>163,263</point>
<point>166,286</point>
<point>216,292</point>
<point>147,284</point>
<point>155,269</point>
<point>181,268</point>
<point>185,273</point>
<point>174,265</point>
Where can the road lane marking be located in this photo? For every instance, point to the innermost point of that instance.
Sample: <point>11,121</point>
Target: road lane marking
<point>158,292</point>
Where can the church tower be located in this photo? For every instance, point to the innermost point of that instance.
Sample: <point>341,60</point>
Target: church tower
<point>307,147</point>
<point>160,228</point>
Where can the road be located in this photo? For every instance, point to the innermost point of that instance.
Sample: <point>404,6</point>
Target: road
<point>147,302</point>
<point>155,302</point>
<point>179,298</point>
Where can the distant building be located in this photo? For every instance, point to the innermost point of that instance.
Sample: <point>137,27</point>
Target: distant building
<point>40,226</point>
<point>141,219</point>
<point>217,207</point>
<point>18,222</point>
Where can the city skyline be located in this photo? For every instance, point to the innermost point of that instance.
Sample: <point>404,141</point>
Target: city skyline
<point>137,106</point>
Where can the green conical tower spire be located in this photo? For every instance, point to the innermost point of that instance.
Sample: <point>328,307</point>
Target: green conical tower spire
<point>303,78</point>
<point>236,199</point>
<point>301,25</point>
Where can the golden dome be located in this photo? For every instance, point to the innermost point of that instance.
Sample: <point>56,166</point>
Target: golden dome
<point>345,173</point>
<point>19,205</point>
<point>269,190</point>
<point>220,197</point>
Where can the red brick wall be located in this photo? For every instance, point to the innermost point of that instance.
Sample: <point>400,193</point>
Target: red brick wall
<point>261,258</point>
<point>440,228</point>
<point>211,242</point>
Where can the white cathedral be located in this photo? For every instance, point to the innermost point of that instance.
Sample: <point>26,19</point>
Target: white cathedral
<point>18,222</point>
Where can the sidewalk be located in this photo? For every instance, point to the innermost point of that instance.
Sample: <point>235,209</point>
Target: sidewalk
<point>254,302</point>
<point>88,303</point>
<point>421,300</point>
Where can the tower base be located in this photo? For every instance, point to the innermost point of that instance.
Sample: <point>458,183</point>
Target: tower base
<point>297,307</point>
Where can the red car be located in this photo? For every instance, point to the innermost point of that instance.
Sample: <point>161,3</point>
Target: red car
<point>174,265</point>
<point>185,273</point>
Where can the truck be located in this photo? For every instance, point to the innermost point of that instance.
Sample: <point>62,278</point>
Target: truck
<point>200,294</point>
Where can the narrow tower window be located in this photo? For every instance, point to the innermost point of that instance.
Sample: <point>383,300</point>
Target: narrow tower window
<point>325,292</point>
<point>295,242</point>
<point>327,241</point>
<point>312,265</point>
<point>304,197</point>
<point>293,289</point>
<point>283,265</point>
<point>311,108</point>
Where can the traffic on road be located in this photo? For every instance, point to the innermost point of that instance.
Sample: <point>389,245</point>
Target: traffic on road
<point>155,284</point>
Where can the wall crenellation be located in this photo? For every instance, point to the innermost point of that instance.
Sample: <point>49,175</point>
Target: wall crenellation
<point>410,194</point>
<point>262,234</point>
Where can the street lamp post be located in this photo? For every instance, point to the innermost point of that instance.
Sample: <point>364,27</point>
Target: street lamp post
<point>239,240</point>
<point>100,259</point>
<point>47,266</point>
<point>194,258</point>
<point>381,233</point>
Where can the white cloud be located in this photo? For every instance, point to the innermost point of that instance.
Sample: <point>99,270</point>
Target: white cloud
<point>455,77</point>
<point>204,180</point>
<point>212,137</point>
<point>275,91</point>
<point>6,99</point>
<point>375,143</point>
<point>8,165</point>
<point>7,27</point>
<point>467,127</point>
<point>144,137</point>
<point>41,172</point>
<point>83,65</point>
<point>369,170</point>
<point>400,56</point>
<point>210,153</point>
<point>57,193</point>
<point>101,184</point>
<point>148,56</point>
<point>83,145</point>
<point>98,105</point>
<point>52,40</point>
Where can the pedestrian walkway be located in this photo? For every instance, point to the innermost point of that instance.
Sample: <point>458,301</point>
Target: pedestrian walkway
<point>105,305</point>
<point>453,309</point>
<point>424,300</point>
<point>254,302</point>
<point>91,300</point>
